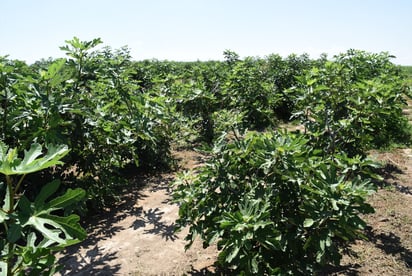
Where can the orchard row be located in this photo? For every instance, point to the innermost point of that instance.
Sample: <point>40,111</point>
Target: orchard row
<point>258,196</point>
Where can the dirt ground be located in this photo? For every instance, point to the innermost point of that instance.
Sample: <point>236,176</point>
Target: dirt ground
<point>137,237</point>
<point>388,250</point>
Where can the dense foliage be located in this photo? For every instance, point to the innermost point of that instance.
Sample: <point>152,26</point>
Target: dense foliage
<point>259,195</point>
<point>274,204</point>
<point>92,103</point>
<point>354,103</point>
<point>283,204</point>
<point>32,231</point>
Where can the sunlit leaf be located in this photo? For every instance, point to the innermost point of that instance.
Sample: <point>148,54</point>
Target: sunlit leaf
<point>11,164</point>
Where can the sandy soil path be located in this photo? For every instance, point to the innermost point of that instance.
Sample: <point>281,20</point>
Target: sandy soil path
<point>137,237</point>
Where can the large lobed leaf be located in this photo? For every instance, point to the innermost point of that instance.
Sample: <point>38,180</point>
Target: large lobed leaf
<point>53,227</point>
<point>11,164</point>
<point>38,214</point>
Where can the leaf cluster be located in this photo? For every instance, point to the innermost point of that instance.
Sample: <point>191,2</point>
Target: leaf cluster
<point>99,104</point>
<point>353,104</point>
<point>31,231</point>
<point>274,204</point>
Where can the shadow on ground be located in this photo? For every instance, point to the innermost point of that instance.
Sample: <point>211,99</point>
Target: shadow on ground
<point>391,245</point>
<point>102,226</point>
<point>391,173</point>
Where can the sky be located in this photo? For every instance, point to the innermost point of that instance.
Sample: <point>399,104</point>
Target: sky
<point>190,30</point>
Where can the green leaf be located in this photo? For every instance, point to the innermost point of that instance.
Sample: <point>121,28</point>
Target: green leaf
<point>3,267</point>
<point>328,241</point>
<point>71,226</point>
<point>61,230</point>
<point>334,205</point>
<point>14,233</point>
<point>308,222</point>
<point>31,155</point>
<point>233,253</point>
<point>48,228</point>
<point>53,227</point>
<point>3,216</point>
<point>70,197</point>
<point>25,208</point>
<point>31,240</point>
<point>46,192</point>
<point>226,224</point>
<point>322,244</point>
<point>11,164</point>
<point>254,265</point>
<point>7,204</point>
<point>54,72</point>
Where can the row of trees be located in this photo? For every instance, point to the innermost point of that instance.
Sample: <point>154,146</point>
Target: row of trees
<point>114,113</point>
<point>282,203</point>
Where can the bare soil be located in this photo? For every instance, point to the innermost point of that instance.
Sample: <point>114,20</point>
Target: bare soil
<point>388,250</point>
<point>137,237</point>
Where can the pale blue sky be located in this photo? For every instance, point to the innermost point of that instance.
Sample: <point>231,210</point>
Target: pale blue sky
<point>203,29</point>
